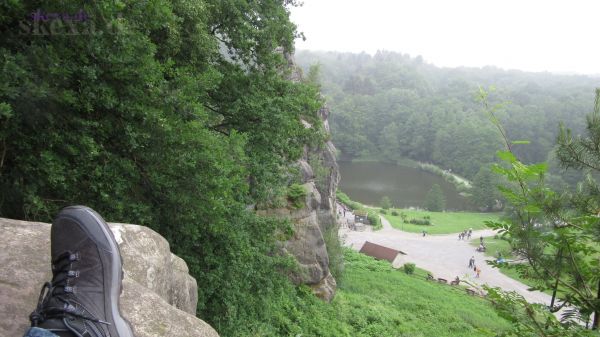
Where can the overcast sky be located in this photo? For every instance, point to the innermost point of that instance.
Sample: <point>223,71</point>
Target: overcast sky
<point>533,35</point>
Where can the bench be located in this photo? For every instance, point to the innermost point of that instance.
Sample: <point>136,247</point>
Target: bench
<point>455,283</point>
<point>470,291</point>
<point>442,280</point>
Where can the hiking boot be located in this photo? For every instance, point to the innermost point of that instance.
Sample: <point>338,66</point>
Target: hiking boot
<point>82,299</point>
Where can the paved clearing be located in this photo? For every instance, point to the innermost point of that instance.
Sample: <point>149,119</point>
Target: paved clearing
<point>443,255</point>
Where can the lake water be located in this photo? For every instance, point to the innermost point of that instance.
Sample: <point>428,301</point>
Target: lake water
<point>368,182</point>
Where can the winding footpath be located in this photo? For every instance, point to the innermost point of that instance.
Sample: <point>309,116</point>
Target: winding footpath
<point>443,255</point>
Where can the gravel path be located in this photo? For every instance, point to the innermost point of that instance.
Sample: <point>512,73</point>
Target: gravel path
<point>443,255</point>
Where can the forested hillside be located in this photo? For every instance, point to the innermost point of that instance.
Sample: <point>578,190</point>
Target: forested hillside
<point>393,106</point>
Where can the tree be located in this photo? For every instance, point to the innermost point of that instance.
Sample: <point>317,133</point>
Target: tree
<point>177,121</point>
<point>484,193</point>
<point>385,202</point>
<point>558,234</point>
<point>435,200</point>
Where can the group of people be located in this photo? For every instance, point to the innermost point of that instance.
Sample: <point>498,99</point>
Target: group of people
<point>466,234</point>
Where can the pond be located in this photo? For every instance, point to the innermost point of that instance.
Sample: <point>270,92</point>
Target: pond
<point>368,182</point>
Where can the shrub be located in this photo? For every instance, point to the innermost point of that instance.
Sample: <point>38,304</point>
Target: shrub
<point>296,194</point>
<point>421,222</point>
<point>335,250</point>
<point>409,268</point>
<point>395,213</point>
<point>374,220</point>
<point>345,199</point>
<point>382,211</point>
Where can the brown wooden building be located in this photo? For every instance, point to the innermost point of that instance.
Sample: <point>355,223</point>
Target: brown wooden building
<point>379,252</point>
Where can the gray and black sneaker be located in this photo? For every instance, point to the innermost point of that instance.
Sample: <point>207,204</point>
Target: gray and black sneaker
<point>82,299</point>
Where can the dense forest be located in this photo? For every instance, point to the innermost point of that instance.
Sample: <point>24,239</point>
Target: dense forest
<point>390,106</point>
<point>176,115</point>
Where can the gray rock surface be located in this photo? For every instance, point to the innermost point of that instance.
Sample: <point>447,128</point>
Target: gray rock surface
<point>159,296</point>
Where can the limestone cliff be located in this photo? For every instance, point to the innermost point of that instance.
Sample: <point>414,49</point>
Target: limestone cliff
<point>159,296</point>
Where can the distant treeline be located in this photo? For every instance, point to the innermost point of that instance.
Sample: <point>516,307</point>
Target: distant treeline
<point>394,106</point>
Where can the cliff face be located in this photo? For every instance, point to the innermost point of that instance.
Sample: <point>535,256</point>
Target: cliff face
<point>159,296</point>
<point>320,176</point>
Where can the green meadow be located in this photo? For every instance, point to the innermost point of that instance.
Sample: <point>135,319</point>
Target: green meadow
<point>441,222</point>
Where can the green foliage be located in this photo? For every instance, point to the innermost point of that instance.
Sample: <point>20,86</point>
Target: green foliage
<point>296,195</point>
<point>374,219</point>
<point>345,199</point>
<point>484,194</point>
<point>409,268</point>
<point>530,320</point>
<point>385,203</point>
<point>420,222</point>
<point>382,211</point>
<point>395,213</point>
<point>335,251</point>
<point>435,201</point>
<point>178,120</point>
<point>557,233</point>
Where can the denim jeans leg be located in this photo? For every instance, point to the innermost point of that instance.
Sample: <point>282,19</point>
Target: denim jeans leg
<point>37,332</point>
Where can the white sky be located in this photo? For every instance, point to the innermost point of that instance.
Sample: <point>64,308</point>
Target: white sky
<point>534,35</point>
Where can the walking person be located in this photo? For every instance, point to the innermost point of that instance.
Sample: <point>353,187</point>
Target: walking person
<point>477,272</point>
<point>472,262</point>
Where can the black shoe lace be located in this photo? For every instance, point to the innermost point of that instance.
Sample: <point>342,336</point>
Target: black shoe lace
<point>55,297</point>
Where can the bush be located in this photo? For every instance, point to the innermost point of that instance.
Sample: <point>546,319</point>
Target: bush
<point>296,194</point>
<point>345,199</point>
<point>382,211</point>
<point>374,220</point>
<point>395,213</point>
<point>421,222</point>
<point>409,268</point>
<point>335,250</point>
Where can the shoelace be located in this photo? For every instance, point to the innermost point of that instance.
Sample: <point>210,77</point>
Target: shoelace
<point>59,290</point>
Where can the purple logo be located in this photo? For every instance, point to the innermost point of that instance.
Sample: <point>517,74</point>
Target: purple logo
<point>39,15</point>
<point>41,23</point>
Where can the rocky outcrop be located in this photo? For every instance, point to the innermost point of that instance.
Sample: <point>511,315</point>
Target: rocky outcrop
<point>159,296</point>
<point>320,176</point>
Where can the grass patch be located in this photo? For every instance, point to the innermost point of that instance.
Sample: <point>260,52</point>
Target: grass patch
<point>494,247</point>
<point>376,300</point>
<point>442,222</point>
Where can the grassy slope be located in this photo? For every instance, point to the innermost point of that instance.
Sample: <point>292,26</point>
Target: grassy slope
<point>443,222</point>
<point>376,300</point>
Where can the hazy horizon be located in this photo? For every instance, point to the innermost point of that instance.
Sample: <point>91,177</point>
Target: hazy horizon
<point>533,36</point>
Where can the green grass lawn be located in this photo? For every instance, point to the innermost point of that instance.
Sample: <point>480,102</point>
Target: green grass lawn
<point>495,246</point>
<point>377,300</point>
<point>442,222</point>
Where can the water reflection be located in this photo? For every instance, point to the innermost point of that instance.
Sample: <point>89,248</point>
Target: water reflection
<point>368,182</point>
